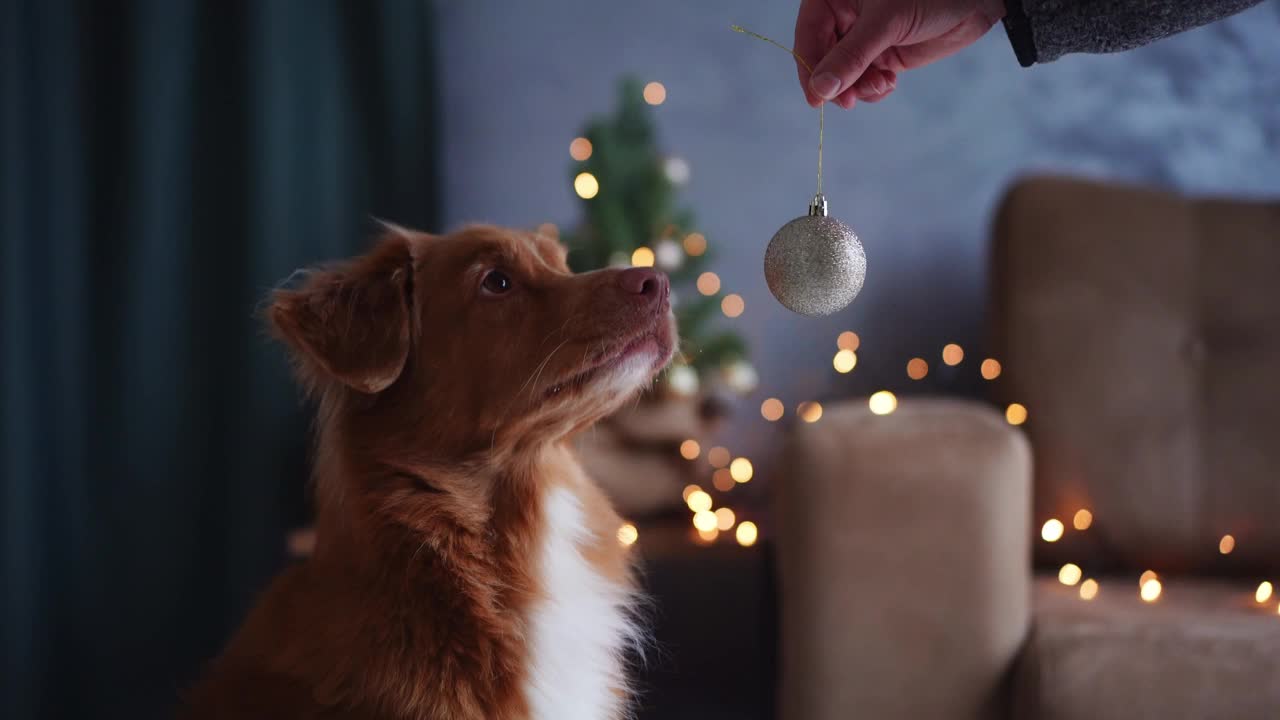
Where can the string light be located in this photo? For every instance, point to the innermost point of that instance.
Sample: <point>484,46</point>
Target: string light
<point>708,536</point>
<point>1069,574</point>
<point>655,93</point>
<point>917,368</point>
<point>1147,575</point>
<point>844,361</point>
<point>1226,544</point>
<point>883,402</point>
<point>810,412</point>
<point>772,409</point>
<point>1089,589</point>
<point>642,257</point>
<point>952,354</point>
<point>690,449</point>
<point>990,369</point>
<point>586,185</point>
<point>732,305</point>
<point>708,283</point>
<point>1264,592</point>
<point>848,340</point>
<point>580,149</point>
<point>1082,520</point>
<point>722,480</point>
<point>741,469</point>
<point>1150,591</point>
<point>718,456</point>
<point>704,520</point>
<point>725,518</point>
<point>698,501</point>
<point>1015,414</point>
<point>689,490</point>
<point>1052,530</point>
<point>747,533</point>
<point>628,534</point>
<point>695,244</point>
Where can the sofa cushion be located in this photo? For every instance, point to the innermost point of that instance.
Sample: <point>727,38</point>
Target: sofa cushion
<point>1142,332</point>
<point>1203,650</point>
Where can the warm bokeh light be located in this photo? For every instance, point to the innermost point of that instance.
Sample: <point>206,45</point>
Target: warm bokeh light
<point>722,480</point>
<point>1263,592</point>
<point>747,533</point>
<point>732,305</point>
<point>642,257</point>
<point>848,340</point>
<point>690,449</point>
<point>1082,520</point>
<point>704,520</point>
<point>718,456</point>
<point>741,469</point>
<point>698,501</point>
<point>580,149</point>
<point>1015,414</point>
<point>990,369</point>
<point>810,412</point>
<point>1089,589</point>
<point>952,354</point>
<point>917,368</point>
<point>772,409</point>
<point>689,490</point>
<point>1069,574</point>
<point>1052,530</point>
<point>725,518</point>
<point>627,534</point>
<point>708,283</point>
<point>883,402</point>
<point>1226,544</point>
<point>655,93</point>
<point>695,244</point>
<point>1145,576</point>
<point>708,536</point>
<point>586,185</point>
<point>844,361</point>
<point>1150,591</point>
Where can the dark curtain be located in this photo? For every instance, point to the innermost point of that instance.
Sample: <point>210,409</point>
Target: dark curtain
<point>163,165</point>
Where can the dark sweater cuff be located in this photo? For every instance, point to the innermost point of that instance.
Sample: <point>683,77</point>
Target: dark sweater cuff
<point>1018,27</point>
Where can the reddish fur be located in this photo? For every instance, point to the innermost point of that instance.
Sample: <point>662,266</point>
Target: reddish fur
<point>437,436</point>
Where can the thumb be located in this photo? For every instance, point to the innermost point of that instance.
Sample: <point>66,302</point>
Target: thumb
<point>870,36</point>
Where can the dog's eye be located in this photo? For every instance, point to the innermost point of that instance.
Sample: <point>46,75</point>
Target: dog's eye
<point>496,282</point>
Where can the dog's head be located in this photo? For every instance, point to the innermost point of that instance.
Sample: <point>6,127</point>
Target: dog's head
<point>476,338</point>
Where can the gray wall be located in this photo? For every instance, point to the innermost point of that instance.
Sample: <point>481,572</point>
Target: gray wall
<point>916,176</point>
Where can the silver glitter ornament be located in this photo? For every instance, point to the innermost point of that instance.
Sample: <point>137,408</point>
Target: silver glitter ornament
<point>815,264</point>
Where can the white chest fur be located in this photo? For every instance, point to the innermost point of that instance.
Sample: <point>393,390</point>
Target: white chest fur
<point>579,628</point>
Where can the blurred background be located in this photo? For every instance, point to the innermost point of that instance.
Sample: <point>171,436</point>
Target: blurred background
<point>164,164</point>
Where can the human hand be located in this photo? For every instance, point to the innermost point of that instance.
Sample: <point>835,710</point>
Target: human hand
<point>857,47</point>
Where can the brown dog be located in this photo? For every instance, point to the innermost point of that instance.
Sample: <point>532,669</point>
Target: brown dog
<point>465,567</point>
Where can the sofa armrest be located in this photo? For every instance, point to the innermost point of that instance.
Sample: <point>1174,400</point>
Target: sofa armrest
<point>904,548</point>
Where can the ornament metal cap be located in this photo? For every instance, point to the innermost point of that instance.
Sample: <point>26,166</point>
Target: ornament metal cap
<point>818,206</point>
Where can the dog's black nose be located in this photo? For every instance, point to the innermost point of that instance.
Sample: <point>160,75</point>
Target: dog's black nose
<point>643,281</point>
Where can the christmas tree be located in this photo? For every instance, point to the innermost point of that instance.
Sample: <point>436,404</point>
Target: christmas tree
<point>631,216</point>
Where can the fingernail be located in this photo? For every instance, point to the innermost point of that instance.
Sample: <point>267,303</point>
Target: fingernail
<point>825,85</point>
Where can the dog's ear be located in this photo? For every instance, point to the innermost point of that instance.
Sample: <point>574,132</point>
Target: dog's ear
<point>351,323</point>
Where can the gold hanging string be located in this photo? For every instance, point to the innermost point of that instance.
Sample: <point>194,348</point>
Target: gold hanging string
<point>775,43</point>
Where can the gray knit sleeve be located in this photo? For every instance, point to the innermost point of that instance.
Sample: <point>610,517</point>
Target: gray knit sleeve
<point>1045,30</point>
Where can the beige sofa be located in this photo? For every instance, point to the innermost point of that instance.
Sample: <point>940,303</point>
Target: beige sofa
<point>1142,332</point>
